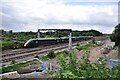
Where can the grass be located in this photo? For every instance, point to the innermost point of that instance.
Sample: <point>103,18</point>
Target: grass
<point>15,66</point>
<point>18,66</point>
<point>83,48</point>
<point>11,44</point>
<point>45,58</point>
<point>86,47</point>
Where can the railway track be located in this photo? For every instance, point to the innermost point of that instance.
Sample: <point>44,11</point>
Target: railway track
<point>20,56</point>
<point>27,50</point>
<point>23,53</point>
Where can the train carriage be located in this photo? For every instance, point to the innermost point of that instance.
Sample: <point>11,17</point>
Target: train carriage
<point>48,41</point>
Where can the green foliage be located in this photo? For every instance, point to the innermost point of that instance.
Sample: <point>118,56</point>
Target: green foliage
<point>15,40</point>
<point>66,52</point>
<point>87,33</point>
<point>86,47</point>
<point>93,41</point>
<point>116,70</point>
<point>79,48</point>
<point>78,44</point>
<point>11,67</point>
<point>12,40</point>
<point>84,69</point>
<point>119,49</point>
<point>11,45</point>
<point>116,35</point>
<point>51,54</point>
<point>13,62</point>
<point>44,58</point>
<point>15,66</point>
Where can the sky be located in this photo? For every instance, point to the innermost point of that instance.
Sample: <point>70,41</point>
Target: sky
<point>31,15</point>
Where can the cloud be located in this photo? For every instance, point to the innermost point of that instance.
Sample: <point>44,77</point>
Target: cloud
<point>33,14</point>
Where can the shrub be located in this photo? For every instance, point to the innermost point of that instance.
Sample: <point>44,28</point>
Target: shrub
<point>78,44</point>
<point>13,62</point>
<point>79,48</point>
<point>93,41</point>
<point>51,54</point>
<point>85,69</point>
<point>11,45</point>
<point>66,52</point>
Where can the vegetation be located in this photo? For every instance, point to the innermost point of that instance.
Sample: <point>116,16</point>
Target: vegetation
<point>51,54</point>
<point>66,51</point>
<point>79,48</point>
<point>86,47</point>
<point>15,66</point>
<point>71,68</point>
<point>87,33</point>
<point>11,44</point>
<point>116,35</point>
<point>13,62</point>
<point>119,52</point>
<point>85,69</point>
<point>93,41</point>
<point>15,40</point>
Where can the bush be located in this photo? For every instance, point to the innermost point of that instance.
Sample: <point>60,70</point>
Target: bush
<point>85,69</point>
<point>93,41</point>
<point>13,62</point>
<point>78,44</point>
<point>79,48</point>
<point>66,52</point>
<point>119,51</point>
<point>51,54</point>
<point>11,45</point>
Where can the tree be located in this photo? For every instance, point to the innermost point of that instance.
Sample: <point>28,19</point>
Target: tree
<point>10,31</point>
<point>116,35</point>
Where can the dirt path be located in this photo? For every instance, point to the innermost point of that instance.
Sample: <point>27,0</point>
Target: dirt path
<point>113,54</point>
<point>95,52</point>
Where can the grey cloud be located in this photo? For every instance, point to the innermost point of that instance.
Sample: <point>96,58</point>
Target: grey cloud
<point>15,21</point>
<point>10,20</point>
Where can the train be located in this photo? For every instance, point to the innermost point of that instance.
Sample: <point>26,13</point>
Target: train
<point>35,42</point>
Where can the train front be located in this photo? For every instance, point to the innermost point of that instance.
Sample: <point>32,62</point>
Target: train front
<point>31,43</point>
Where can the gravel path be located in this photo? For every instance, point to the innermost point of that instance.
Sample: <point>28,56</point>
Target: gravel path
<point>94,54</point>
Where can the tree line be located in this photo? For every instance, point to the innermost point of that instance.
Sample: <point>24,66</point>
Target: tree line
<point>115,36</point>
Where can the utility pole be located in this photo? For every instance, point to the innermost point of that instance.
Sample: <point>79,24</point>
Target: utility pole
<point>70,41</point>
<point>38,33</point>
